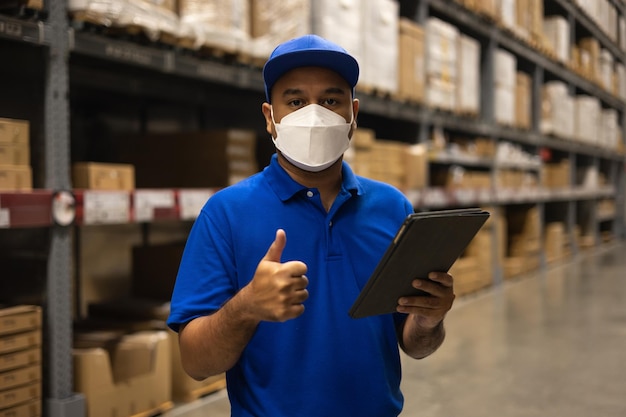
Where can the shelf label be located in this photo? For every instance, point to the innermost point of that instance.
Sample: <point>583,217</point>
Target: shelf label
<point>5,217</point>
<point>146,201</point>
<point>128,53</point>
<point>11,29</point>
<point>106,207</point>
<point>191,202</point>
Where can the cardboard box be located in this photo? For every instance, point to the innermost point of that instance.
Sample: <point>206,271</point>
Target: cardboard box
<point>100,176</point>
<point>19,319</point>
<point>272,23</point>
<point>14,153</point>
<point>19,341</point>
<point>20,359</point>
<point>20,395</point>
<point>132,377</point>
<point>14,131</point>
<point>16,178</point>
<point>29,409</point>
<point>522,100</point>
<point>412,69</point>
<point>20,376</point>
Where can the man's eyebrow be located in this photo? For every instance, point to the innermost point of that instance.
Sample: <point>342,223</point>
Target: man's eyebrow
<point>292,92</point>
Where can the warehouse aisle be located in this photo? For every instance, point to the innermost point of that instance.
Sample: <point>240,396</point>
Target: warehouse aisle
<point>552,344</point>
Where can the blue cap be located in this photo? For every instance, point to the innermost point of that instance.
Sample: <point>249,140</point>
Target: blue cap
<point>309,51</point>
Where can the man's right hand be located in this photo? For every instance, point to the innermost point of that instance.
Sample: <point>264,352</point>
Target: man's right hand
<point>277,290</point>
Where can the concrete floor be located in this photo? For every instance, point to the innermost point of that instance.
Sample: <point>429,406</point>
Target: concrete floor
<point>550,344</point>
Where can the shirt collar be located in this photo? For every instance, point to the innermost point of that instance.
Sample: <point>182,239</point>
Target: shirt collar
<point>285,187</point>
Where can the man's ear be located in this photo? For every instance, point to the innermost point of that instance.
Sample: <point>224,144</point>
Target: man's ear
<point>355,112</point>
<point>266,108</point>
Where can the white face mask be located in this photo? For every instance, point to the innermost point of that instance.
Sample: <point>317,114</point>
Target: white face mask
<point>313,137</point>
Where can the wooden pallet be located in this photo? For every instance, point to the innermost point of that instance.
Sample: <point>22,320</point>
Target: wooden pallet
<point>158,410</point>
<point>204,391</point>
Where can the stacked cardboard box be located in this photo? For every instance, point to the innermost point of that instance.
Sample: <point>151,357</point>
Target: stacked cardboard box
<point>441,64</point>
<point>529,19</point>
<point>524,241</point>
<point>523,97</point>
<point>399,164</point>
<point>505,87</point>
<point>15,170</point>
<point>556,245</point>
<point>123,374</point>
<point>20,361</point>
<point>411,61</point>
<point>474,269</point>
<point>589,57</point>
<point>556,174</point>
<point>358,155</point>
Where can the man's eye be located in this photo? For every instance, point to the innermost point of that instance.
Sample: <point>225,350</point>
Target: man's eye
<point>295,103</point>
<point>330,102</point>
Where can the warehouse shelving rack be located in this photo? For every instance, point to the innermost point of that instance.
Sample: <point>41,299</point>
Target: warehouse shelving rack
<point>58,42</point>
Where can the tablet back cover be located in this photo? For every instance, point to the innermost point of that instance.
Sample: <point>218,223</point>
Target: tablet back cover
<point>426,242</point>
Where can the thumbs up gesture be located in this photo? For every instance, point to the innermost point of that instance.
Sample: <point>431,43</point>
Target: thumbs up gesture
<point>277,289</point>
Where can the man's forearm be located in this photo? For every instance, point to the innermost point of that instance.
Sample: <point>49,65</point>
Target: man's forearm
<point>418,342</point>
<point>212,344</point>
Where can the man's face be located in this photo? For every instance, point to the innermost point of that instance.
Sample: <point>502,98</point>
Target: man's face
<point>310,85</point>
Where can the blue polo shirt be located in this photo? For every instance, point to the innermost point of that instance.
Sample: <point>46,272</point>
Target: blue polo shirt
<point>323,363</point>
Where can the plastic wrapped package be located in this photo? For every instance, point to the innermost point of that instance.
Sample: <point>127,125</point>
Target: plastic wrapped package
<point>150,18</point>
<point>275,22</point>
<point>218,24</point>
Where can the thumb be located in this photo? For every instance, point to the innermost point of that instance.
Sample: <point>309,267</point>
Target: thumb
<point>276,248</point>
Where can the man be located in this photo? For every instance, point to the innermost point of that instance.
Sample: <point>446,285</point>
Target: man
<point>273,263</point>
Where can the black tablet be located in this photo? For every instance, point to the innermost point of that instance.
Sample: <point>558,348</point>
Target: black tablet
<point>426,242</point>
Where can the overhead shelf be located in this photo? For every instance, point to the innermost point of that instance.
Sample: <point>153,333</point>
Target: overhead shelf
<point>30,32</point>
<point>165,60</point>
<point>95,207</point>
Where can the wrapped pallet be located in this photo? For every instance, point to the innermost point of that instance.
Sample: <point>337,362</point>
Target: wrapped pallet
<point>468,84</point>
<point>272,23</point>
<point>557,110</point>
<point>221,25</point>
<point>441,64</point>
<point>339,22</point>
<point>587,118</point>
<point>505,71</point>
<point>556,30</point>
<point>379,65</point>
